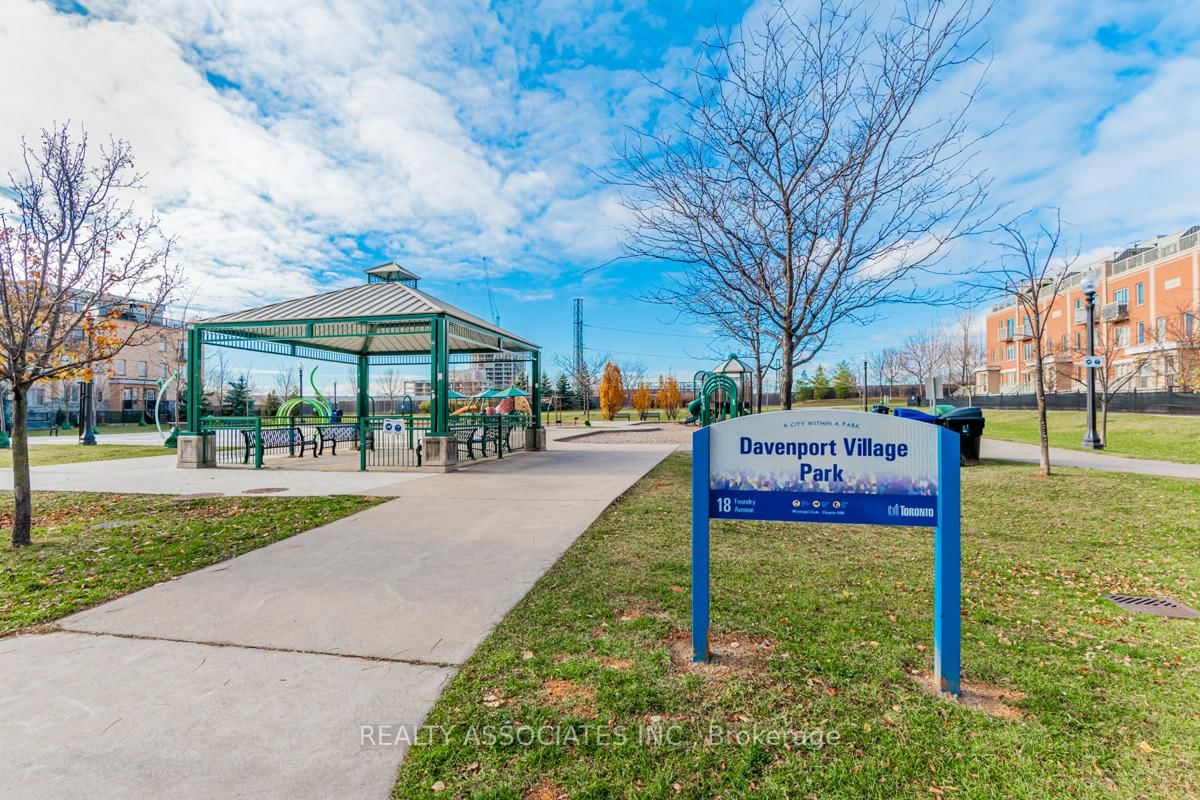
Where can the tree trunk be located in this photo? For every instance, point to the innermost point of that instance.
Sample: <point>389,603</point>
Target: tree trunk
<point>785,374</point>
<point>1039,388</point>
<point>1104,419</point>
<point>22,501</point>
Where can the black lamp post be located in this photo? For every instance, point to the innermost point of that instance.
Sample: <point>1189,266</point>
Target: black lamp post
<point>1091,439</point>
<point>86,435</point>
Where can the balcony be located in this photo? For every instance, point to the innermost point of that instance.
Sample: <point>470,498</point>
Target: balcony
<point>1007,335</point>
<point>1114,312</point>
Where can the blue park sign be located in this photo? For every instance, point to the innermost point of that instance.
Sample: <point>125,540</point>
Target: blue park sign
<point>846,467</point>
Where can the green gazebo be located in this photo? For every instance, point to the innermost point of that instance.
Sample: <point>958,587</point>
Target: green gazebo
<point>386,321</point>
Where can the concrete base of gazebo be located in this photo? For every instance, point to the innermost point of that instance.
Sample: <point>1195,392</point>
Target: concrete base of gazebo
<point>441,453</point>
<point>535,438</point>
<point>195,452</point>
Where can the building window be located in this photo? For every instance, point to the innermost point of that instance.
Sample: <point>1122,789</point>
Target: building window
<point>1028,351</point>
<point>1012,352</point>
<point>162,371</point>
<point>151,396</point>
<point>141,369</point>
<point>127,399</point>
<point>1078,340</point>
<point>162,341</point>
<point>1121,296</point>
<point>1189,321</point>
<point>1141,294</point>
<point>1141,333</point>
<point>1064,343</point>
<point>119,366</point>
<point>1162,329</point>
<point>1121,336</point>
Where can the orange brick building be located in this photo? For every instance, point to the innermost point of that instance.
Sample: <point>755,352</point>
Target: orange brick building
<point>1147,304</point>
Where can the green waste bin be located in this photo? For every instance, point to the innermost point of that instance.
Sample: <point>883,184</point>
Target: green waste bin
<point>968,423</point>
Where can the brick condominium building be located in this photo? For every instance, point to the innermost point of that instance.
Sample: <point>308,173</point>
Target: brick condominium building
<point>1147,303</point>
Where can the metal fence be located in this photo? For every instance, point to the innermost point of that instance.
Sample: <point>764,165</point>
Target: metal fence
<point>1144,402</point>
<point>247,441</point>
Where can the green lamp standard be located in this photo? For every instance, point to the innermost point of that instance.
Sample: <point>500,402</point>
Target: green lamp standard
<point>1091,439</point>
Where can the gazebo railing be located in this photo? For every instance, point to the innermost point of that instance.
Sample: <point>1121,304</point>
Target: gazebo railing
<point>240,440</point>
<point>233,434</point>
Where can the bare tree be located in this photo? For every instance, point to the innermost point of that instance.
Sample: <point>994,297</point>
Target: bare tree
<point>216,373</point>
<point>585,376</point>
<point>287,381</point>
<point>1031,268</point>
<point>887,367</point>
<point>923,356</point>
<point>73,256</point>
<point>1113,377</point>
<point>391,385</point>
<point>1183,329</point>
<point>633,371</point>
<point>808,181</point>
<point>965,350</point>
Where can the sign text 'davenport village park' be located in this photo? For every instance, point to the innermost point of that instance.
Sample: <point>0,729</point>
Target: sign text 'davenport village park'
<point>832,466</point>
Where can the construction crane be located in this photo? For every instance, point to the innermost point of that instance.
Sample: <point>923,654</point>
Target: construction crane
<point>487,281</point>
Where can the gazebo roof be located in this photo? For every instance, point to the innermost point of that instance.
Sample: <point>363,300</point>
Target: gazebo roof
<point>381,317</point>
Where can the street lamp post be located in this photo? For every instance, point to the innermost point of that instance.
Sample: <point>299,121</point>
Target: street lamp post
<point>1091,439</point>
<point>86,435</point>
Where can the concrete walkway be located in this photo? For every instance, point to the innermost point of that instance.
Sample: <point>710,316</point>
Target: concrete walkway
<point>1019,451</point>
<point>252,678</point>
<point>159,475</point>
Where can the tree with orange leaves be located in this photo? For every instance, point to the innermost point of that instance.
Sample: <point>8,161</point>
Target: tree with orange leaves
<point>612,391</point>
<point>641,400</point>
<point>669,399</point>
<point>72,256</point>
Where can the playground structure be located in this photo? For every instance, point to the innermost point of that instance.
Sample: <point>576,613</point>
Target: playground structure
<point>717,396</point>
<point>317,402</point>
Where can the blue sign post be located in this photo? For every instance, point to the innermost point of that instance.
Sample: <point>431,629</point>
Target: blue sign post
<point>833,466</point>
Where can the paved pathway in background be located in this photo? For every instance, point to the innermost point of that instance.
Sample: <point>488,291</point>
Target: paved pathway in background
<point>1019,451</point>
<point>147,437</point>
<point>251,678</point>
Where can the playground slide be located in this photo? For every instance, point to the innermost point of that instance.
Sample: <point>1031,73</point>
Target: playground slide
<point>693,409</point>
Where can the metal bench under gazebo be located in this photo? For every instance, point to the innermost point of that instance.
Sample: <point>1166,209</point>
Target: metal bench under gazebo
<point>385,322</point>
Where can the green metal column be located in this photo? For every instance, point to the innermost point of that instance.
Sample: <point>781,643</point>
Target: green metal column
<point>195,372</point>
<point>362,403</point>
<point>537,388</point>
<point>439,378</point>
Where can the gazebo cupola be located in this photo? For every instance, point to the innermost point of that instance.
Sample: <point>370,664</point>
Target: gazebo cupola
<point>391,272</point>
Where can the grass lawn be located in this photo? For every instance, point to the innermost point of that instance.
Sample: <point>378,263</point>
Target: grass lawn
<point>44,455</point>
<point>830,622</point>
<point>88,548</point>
<point>1159,436</point>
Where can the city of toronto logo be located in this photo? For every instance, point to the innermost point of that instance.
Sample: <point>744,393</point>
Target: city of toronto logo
<point>900,510</point>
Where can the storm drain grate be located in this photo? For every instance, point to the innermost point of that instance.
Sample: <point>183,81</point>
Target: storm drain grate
<point>1159,606</point>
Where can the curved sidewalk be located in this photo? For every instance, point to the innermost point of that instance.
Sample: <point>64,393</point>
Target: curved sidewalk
<point>254,677</point>
<point>1059,457</point>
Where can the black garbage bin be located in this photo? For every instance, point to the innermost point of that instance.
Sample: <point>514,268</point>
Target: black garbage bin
<point>968,423</point>
<point>880,408</point>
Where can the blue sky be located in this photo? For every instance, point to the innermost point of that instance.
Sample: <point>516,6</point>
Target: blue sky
<point>289,145</point>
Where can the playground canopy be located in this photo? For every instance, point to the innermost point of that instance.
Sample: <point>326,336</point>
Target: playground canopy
<point>387,321</point>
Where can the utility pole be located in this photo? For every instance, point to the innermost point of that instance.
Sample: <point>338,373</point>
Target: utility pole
<point>580,365</point>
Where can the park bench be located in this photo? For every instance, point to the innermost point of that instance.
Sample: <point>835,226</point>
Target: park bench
<point>649,414</point>
<point>278,439</point>
<point>342,432</point>
<point>621,415</point>
<point>479,437</point>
